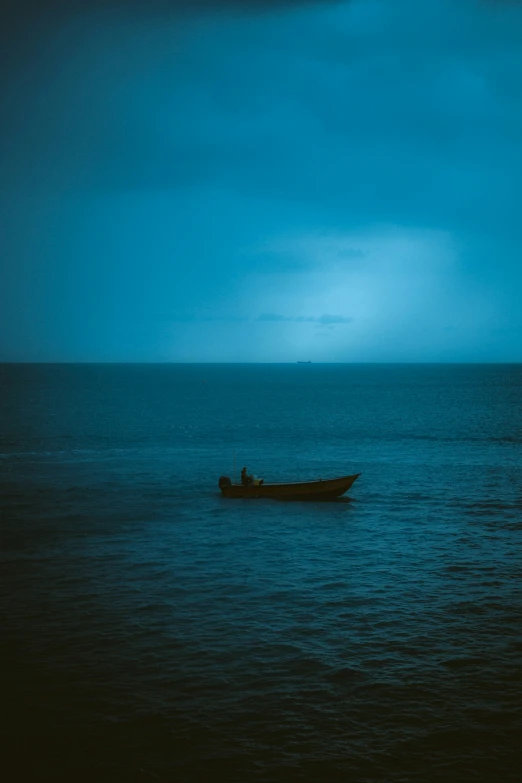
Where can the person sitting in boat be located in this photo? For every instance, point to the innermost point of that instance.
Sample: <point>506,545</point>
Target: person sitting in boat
<point>246,480</point>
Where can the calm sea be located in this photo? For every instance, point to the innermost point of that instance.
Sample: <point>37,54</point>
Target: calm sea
<point>152,630</point>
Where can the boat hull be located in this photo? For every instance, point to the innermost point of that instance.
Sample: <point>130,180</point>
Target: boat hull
<point>303,490</point>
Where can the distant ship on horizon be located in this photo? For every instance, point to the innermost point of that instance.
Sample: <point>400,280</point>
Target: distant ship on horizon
<point>308,362</point>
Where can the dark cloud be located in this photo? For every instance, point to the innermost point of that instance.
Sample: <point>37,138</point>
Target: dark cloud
<point>15,11</point>
<point>327,320</point>
<point>28,26</point>
<point>324,320</point>
<point>276,317</point>
<point>191,318</point>
<point>357,113</point>
<point>12,7</point>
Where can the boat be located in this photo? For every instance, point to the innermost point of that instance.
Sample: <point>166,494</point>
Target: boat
<point>320,489</point>
<point>308,362</point>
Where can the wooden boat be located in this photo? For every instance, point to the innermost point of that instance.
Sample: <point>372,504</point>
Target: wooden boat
<point>322,489</point>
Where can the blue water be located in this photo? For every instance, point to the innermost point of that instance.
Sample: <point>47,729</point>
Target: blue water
<point>153,630</point>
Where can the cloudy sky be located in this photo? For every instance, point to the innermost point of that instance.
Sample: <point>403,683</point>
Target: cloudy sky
<point>261,181</point>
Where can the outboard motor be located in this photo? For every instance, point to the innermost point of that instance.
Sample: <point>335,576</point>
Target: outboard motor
<point>224,481</point>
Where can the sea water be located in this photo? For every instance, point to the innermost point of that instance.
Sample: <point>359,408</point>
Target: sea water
<point>153,630</point>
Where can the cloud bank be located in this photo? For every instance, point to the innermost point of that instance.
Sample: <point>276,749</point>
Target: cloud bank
<point>324,320</point>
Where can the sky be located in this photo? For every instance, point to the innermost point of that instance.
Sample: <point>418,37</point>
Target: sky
<point>263,181</point>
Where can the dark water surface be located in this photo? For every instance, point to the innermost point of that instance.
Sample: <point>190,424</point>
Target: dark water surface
<point>153,630</point>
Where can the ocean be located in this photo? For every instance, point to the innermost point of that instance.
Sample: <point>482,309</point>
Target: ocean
<point>153,630</point>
